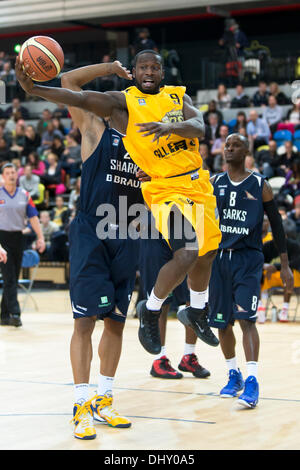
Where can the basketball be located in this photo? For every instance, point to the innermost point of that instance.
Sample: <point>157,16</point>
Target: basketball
<point>44,56</point>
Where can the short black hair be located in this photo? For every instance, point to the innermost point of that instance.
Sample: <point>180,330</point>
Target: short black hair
<point>242,139</point>
<point>146,51</point>
<point>8,165</point>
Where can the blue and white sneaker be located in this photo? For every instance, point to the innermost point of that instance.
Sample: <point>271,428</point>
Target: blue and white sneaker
<point>234,385</point>
<point>249,397</point>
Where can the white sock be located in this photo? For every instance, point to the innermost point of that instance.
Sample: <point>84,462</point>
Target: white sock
<point>105,385</point>
<point>252,367</point>
<point>154,303</point>
<point>232,364</point>
<point>198,299</point>
<point>189,349</point>
<point>81,392</point>
<point>163,352</point>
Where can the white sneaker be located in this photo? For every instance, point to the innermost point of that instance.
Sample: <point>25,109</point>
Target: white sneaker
<point>283,315</point>
<point>261,314</point>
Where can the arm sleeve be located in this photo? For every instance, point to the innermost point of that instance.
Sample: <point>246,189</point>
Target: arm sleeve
<point>276,225</point>
<point>31,210</point>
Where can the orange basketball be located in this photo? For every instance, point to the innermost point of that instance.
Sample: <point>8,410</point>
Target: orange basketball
<point>44,56</point>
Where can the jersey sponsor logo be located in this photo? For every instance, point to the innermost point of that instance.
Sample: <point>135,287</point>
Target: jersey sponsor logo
<point>104,302</point>
<point>173,116</point>
<point>249,196</point>
<point>234,230</point>
<point>195,176</point>
<point>219,318</point>
<point>115,140</point>
<point>222,192</point>
<point>234,214</point>
<point>141,101</point>
<point>171,148</point>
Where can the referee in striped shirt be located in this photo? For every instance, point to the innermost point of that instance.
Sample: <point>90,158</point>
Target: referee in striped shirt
<point>15,207</point>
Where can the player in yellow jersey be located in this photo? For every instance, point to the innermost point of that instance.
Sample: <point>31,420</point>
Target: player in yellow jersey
<point>161,129</point>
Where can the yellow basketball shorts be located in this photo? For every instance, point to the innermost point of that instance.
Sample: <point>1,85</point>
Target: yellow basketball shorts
<point>193,195</point>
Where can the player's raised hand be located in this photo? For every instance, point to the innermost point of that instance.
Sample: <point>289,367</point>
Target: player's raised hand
<point>22,77</point>
<point>121,71</point>
<point>159,129</point>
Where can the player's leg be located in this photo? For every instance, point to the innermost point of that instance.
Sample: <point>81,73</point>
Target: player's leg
<point>221,309</point>
<point>169,277</point>
<point>81,354</point>
<point>247,266</point>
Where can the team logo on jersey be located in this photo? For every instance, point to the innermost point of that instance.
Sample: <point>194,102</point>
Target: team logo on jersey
<point>222,192</point>
<point>249,196</point>
<point>116,140</point>
<point>141,101</point>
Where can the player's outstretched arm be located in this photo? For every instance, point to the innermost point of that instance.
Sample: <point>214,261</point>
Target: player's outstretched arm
<point>83,75</point>
<point>101,104</point>
<point>278,235</point>
<point>192,127</point>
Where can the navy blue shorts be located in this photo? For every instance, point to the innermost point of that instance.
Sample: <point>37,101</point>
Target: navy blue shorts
<point>234,287</point>
<point>102,272</point>
<point>154,254</point>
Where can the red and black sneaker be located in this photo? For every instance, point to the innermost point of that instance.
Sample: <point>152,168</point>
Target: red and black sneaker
<point>189,363</point>
<point>162,368</point>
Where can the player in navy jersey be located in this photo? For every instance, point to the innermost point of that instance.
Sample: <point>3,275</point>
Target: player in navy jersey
<point>102,269</point>
<point>242,198</point>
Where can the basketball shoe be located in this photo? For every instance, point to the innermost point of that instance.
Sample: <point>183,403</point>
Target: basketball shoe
<point>105,413</point>
<point>249,397</point>
<point>197,319</point>
<point>149,334</point>
<point>189,363</point>
<point>234,385</point>
<point>83,421</point>
<point>162,368</point>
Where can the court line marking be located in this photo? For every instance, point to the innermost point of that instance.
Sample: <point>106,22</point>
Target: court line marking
<point>181,420</point>
<point>209,394</point>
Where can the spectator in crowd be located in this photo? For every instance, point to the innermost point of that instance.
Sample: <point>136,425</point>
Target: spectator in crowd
<point>48,136</point>
<point>37,165</point>
<point>16,107</point>
<point>60,213</point>
<point>218,148</point>
<point>59,125</point>
<point>32,140</point>
<point>48,228</point>
<point>261,96</point>
<point>52,178</point>
<point>293,114</point>
<point>241,100</point>
<point>71,158</point>
<point>223,97</point>
<point>43,121</point>
<point>294,215</point>
<point>241,122</point>
<point>8,76</point>
<point>250,163</point>
<point>212,109</point>
<point>266,160</point>
<point>61,111</point>
<point>18,139</point>
<point>6,154</point>
<point>258,131</point>
<point>5,135</point>
<point>286,159</point>
<point>30,182</point>
<point>212,129</point>
<point>272,113</point>
<point>206,156</point>
<point>272,268</point>
<point>241,40</point>
<point>292,181</point>
<point>279,95</point>
<point>143,42</point>
<point>2,59</point>
<point>74,198</point>
<point>57,146</point>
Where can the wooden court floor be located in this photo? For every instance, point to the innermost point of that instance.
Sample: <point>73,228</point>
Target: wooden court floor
<point>37,394</point>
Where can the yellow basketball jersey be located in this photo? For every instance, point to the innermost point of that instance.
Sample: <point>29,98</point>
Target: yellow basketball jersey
<point>172,155</point>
